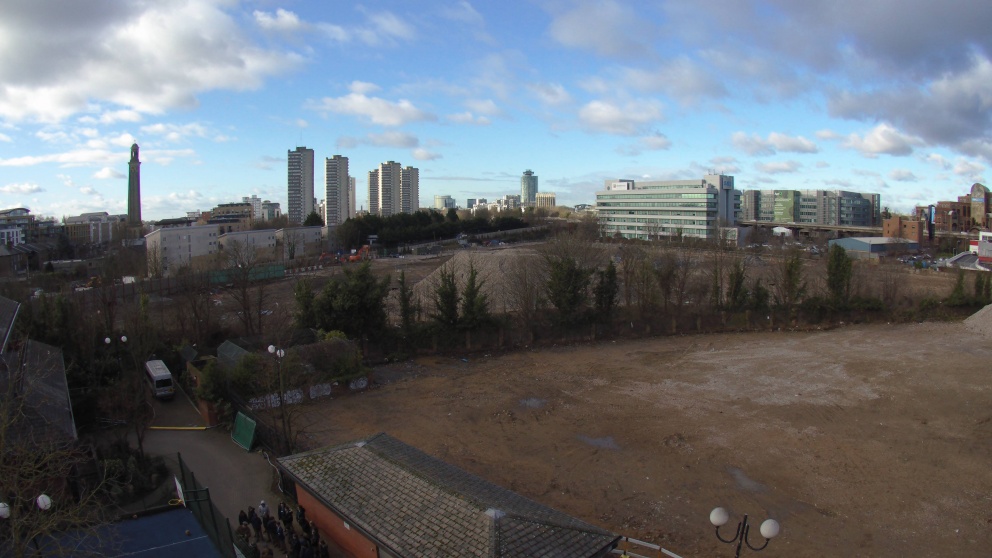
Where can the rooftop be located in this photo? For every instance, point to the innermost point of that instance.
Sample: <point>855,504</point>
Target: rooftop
<point>419,506</point>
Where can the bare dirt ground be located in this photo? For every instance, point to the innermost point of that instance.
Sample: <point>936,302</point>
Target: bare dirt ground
<point>861,441</point>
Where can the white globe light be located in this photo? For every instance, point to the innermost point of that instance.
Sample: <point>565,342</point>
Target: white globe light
<point>44,502</point>
<point>4,510</point>
<point>769,529</point>
<point>272,349</point>
<point>106,340</point>
<point>719,517</point>
<point>123,338</point>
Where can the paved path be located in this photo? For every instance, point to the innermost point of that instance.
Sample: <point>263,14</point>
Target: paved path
<point>236,478</point>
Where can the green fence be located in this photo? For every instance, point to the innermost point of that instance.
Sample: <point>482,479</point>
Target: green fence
<point>196,498</point>
<point>243,432</point>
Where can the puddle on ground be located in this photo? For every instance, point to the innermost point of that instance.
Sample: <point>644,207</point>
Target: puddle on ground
<point>745,483</point>
<point>605,443</point>
<point>533,403</point>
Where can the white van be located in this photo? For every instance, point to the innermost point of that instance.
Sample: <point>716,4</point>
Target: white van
<point>159,379</point>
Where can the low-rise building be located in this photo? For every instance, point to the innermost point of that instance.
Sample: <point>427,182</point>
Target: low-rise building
<point>299,242</point>
<point>379,497</point>
<point>170,248</point>
<point>95,228</point>
<point>547,200</point>
<point>875,247</point>
<point>904,228</point>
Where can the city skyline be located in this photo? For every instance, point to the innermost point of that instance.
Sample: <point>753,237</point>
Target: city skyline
<point>816,95</point>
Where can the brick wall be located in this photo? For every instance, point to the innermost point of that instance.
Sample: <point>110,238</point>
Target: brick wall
<point>334,528</point>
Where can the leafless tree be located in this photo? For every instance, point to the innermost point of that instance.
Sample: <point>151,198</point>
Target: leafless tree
<point>248,289</point>
<point>632,259</point>
<point>525,279</point>
<point>193,312</point>
<point>37,460</point>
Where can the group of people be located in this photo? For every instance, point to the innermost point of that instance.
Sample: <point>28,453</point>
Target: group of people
<point>258,525</point>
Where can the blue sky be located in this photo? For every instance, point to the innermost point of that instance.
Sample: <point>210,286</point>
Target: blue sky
<point>888,96</point>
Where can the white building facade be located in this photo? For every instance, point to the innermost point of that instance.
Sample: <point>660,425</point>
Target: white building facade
<point>173,247</point>
<point>706,209</point>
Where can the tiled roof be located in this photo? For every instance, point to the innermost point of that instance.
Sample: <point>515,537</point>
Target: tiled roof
<point>38,374</point>
<point>419,506</point>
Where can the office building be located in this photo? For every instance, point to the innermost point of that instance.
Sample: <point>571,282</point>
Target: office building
<point>545,199</point>
<point>444,203</point>
<point>337,190</point>
<point>706,209</point>
<point>299,190</point>
<point>270,210</point>
<point>256,205</point>
<point>820,207</point>
<point>528,187</point>
<point>94,228</point>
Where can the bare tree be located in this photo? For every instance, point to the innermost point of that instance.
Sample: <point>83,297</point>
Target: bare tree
<point>41,491</point>
<point>249,290</point>
<point>194,308</point>
<point>153,262</point>
<point>525,279</point>
<point>631,261</point>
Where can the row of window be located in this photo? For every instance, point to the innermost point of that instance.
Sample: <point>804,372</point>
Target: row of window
<point>654,196</point>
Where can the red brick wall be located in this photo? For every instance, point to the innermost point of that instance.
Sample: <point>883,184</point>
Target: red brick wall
<point>333,527</point>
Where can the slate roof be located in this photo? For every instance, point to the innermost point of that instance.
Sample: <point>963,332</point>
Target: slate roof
<point>38,373</point>
<point>417,506</point>
<point>230,354</point>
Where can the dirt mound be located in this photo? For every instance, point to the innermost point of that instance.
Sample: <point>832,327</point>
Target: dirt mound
<point>981,321</point>
<point>503,274</point>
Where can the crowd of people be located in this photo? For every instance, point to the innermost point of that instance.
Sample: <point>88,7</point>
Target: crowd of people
<point>259,527</point>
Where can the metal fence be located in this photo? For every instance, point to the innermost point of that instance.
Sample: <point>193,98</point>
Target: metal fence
<point>196,497</point>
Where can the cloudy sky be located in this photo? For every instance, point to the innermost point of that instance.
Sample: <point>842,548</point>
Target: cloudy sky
<point>888,96</point>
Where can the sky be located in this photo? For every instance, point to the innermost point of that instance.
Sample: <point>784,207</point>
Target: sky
<point>885,96</point>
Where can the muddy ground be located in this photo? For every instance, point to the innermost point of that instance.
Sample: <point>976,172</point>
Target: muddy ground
<point>861,441</point>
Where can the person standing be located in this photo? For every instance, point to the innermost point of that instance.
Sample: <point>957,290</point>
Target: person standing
<point>263,510</point>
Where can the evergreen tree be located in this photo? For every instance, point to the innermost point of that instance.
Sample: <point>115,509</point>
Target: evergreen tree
<point>475,303</point>
<point>313,220</point>
<point>355,303</point>
<point>839,272</point>
<point>567,287</point>
<point>305,316</point>
<point>445,299</point>
<point>606,292</point>
<point>407,308</point>
<point>737,293</point>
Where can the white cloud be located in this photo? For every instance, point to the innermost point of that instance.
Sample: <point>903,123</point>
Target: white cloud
<point>363,87</point>
<point>553,94</point>
<point>5,138</point>
<point>463,12</point>
<point>681,78</point>
<point>24,188</point>
<point>140,57</point>
<point>422,154</point>
<point>175,132</point>
<point>882,139</point>
<point>779,167</point>
<point>384,28</point>
<point>755,145</point>
<point>939,160</point>
<point>468,118</point>
<point>483,106</point>
<point>375,109</point>
<point>964,167</point>
<point>283,21</point>
<point>625,120</point>
<point>828,135</point>
<point>108,173</point>
<point>112,117</point>
<point>605,27</point>
<point>77,157</point>
<point>394,139</point>
<point>902,175</point>
<point>655,142</point>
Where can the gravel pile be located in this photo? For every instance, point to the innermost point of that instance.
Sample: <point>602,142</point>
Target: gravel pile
<point>981,321</point>
<point>499,270</point>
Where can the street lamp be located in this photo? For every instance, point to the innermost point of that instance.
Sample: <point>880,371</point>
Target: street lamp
<point>769,529</point>
<point>43,502</point>
<point>107,341</point>
<point>279,354</point>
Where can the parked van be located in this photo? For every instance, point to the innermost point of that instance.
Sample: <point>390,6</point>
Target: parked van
<point>159,379</point>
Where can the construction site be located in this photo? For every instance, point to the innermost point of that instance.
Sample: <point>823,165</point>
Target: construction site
<point>860,440</point>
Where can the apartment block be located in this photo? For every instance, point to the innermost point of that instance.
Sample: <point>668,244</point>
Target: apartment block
<point>170,248</point>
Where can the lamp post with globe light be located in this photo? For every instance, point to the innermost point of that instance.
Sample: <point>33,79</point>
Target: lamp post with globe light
<point>769,530</point>
<point>279,354</point>
<point>43,503</point>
